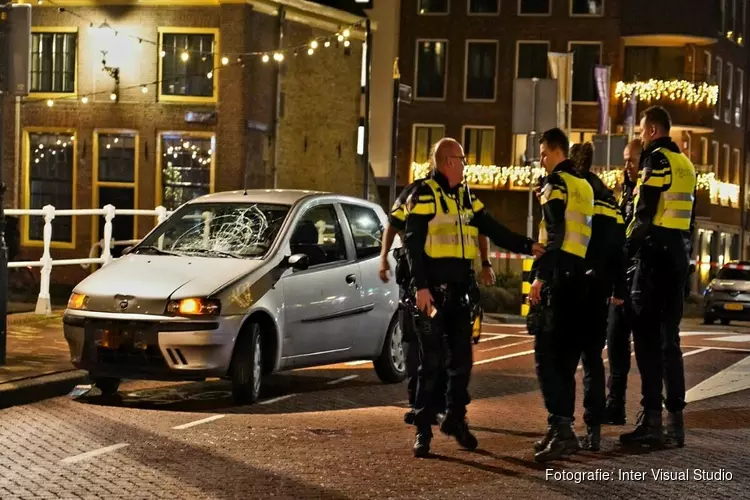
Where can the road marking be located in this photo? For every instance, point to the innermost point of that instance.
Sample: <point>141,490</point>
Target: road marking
<point>274,400</point>
<point>507,356</point>
<point>738,349</point>
<point>342,379</point>
<point>507,345</point>
<point>94,453</point>
<point>360,362</point>
<point>198,422</point>
<point>694,333</point>
<point>733,338</point>
<point>697,351</point>
<point>727,381</point>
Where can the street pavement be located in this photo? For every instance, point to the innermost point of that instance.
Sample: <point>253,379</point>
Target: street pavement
<point>337,432</point>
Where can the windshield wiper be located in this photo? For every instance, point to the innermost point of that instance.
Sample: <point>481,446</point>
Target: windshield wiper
<point>212,251</point>
<point>154,249</point>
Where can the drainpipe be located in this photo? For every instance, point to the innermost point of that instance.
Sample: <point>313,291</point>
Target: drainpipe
<point>277,103</point>
<point>743,171</point>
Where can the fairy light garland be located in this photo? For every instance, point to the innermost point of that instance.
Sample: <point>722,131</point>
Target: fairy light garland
<point>701,94</point>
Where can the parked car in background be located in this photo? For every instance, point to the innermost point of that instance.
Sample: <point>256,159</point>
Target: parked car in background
<point>727,297</point>
<point>240,285</point>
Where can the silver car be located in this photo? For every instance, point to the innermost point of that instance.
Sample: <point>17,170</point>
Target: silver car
<point>239,285</point>
<point>727,297</point>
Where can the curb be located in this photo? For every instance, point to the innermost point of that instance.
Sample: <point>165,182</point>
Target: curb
<point>508,319</point>
<point>33,389</point>
<point>23,318</point>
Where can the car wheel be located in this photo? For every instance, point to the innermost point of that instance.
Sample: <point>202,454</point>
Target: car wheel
<point>391,364</point>
<point>107,385</point>
<point>247,366</point>
<point>724,321</point>
<point>708,320</point>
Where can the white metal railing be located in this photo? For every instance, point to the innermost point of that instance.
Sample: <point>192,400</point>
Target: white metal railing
<point>46,262</point>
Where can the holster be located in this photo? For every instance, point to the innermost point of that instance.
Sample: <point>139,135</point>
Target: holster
<point>403,276</point>
<point>541,318</point>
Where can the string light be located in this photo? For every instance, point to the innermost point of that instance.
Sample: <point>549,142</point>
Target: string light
<point>314,44</point>
<point>310,51</point>
<point>144,89</point>
<point>85,99</point>
<point>265,58</point>
<point>210,75</point>
<point>50,102</point>
<point>185,56</point>
<point>347,43</point>
<point>278,56</point>
<point>113,96</point>
<point>682,90</point>
<point>224,61</point>
<point>327,43</point>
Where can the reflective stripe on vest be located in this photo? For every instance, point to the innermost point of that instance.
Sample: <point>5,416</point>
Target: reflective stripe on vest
<point>579,211</point>
<point>449,235</point>
<point>675,206</point>
<point>608,210</point>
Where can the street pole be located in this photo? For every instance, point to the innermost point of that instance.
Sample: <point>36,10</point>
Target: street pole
<point>394,134</point>
<point>368,85</point>
<point>532,141</point>
<point>4,60</point>
<point>277,101</point>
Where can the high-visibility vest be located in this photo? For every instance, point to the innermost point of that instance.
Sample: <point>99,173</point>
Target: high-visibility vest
<point>607,209</point>
<point>579,210</point>
<point>675,206</point>
<point>449,234</point>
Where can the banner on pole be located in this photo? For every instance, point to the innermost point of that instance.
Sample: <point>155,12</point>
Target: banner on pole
<point>601,77</point>
<point>560,64</point>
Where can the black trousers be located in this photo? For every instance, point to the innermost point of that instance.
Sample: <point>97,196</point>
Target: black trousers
<point>445,342</point>
<point>658,294</point>
<point>557,324</point>
<point>619,326</point>
<point>593,337</point>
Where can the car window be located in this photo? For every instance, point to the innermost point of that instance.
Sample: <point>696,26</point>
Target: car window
<point>318,235</point>
<point>729,273</point>
<point>367,230</point>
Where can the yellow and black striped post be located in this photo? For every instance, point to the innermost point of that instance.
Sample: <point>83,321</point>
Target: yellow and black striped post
<point>526,286</point>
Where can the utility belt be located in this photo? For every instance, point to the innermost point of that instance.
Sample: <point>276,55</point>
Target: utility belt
<point>403,274</point>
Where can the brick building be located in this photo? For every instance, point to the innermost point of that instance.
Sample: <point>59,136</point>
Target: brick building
<point>461,57</point>
<point>193,112</point>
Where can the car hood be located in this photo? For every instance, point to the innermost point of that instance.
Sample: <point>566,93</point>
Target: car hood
<point>162,276</point>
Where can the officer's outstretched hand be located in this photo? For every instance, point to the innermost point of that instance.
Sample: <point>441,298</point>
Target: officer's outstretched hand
<point>424,301</point>
<point>385,268</point>
<point>488,276</point>
<point>535,294</point>
<point>537,250</point>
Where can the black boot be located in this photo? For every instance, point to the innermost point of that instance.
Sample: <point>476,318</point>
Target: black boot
<point>614,413</point>
<point>563,443</point>
<point>542,443</point>
<point>593,439</point>
<point>422,444</point>
<point>459,429</point>
<point>675,432</point>
<point>648,430</point>
<point>409,417</point>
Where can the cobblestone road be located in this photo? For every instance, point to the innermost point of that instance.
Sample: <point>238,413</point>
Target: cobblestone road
<point>336,432</point>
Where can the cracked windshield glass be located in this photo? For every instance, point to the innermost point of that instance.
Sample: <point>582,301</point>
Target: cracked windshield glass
<point>222,230</point>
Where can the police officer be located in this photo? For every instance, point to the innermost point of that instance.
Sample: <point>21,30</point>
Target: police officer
<point>558,292</point>
<point>619,320</point>
<point>410,345</point>
<point>442,226</point>
<point>657,236</point>
<point>605,263</point>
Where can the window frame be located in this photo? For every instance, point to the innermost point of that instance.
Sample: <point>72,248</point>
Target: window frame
<point>416,97</point>
<point>481,14</point>
<point>25,227</point>
<point>594,16</point>
<point>739,98</point>
<point>414,128</point>
<point>96,183</point>
<point>718,70</point>
<point>705,150</point>
<point>736,164</point>
<point>521,14</point>
<point>180,99</point>
<point>464,128</point>
<point>729,113</point>
<point>715,158</point>
<point>529,42</point>
<point>727,163</point>
<point>595,102</point>
<point>446,13</point>
<point>62,30</point>
<point>200,134</point>
<point>708,57</point>
<point>343,205</point>
<point>466,69</point>
<point>350,253</point>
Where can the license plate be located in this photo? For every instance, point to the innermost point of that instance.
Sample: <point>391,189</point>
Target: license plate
<point>733,307</point>
<point>115,337</point>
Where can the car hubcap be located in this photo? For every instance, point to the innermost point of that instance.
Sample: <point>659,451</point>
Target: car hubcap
<point>256,366</point>
<point>397,350</point>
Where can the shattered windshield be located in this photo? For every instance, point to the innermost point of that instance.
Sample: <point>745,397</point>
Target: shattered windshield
<point>231,230</point>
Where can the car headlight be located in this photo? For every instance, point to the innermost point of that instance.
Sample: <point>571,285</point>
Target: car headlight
<point>78,301</point>
<point>194,307</point>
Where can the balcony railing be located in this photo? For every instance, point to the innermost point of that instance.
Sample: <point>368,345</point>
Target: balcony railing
<point>109,212</point>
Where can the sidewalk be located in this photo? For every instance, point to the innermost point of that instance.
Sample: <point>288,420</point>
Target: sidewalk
<point>38,362</point>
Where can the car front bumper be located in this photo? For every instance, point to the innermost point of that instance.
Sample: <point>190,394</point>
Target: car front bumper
<point>727,309</point>
<point>150,347</point>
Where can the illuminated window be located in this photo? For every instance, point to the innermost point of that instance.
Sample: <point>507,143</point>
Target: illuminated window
<point>53,63</point>
<point>479,145</point>
<point>187,65</point>
<point>704,151</point>
<point>586,7</point>
<point>51,181</point>
<point>728,109</point>
<point>735,175</point>
<point>433,6</point>
<point>425,136</point>
<point>534,7</point>
<point>186,167</point>
<point>431,69</point>
<point>715,159</point>
<point>115,182</point>
<point>725,171</point>
<point>481,70</point>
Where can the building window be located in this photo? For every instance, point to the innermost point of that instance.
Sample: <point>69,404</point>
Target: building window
<point>735,166</point>
<point>585,57</point>
<point>661,63</point>
<point>115,181</point>
<point>534,7</point>
<point>479,145</point>
<point>728,109</point>
<point>187,66</point>
<point>531,60</point>
<point>704,151</point>
<point>481,70</point>
<point>484,7</point>
<point>186,167</point>
<point>718,69</point>
<point>587,7</point>
<point>739,100</point>
<point>715,159</point>
<point>706,76</point>
<point>431,69</point>
<point>725,170</point>
<point>425,136</point>
<point>433,6</point>
<point>51,181</point>
<point>53,63</point>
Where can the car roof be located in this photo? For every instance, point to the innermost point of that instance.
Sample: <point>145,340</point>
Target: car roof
<point>738,264</point>
<point>277,196</point>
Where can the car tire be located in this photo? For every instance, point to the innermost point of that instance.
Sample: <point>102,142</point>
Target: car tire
<point>708,320</point>
<point>246,370</point>
<point>390,366</point>
<point>725,321</point>
<point>108,385</point>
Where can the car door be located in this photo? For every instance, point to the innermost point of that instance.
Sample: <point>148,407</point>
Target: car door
<point>322,303</point>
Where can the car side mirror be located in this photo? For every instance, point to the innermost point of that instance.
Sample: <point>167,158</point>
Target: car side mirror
<point>299,261</point>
